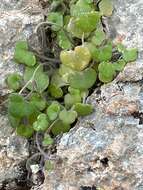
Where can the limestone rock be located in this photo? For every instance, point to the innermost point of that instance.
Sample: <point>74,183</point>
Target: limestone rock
<point>105,149</point>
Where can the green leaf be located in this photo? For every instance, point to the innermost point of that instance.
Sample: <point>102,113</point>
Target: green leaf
<point>100,54</point>
<point>121,48</point>
<point>25,131</point>
<point>71,99</point>
<point>88,22</point>
<point>57,19</point>
<point>64,72</point>
<point>81,8</point>
<point>130,55</point>
<point>63,40</point>
<point>106,72</point>
<point>98,38</point>
<point>73,91</point>
<point>14,121</point>
<point>106,7</point>
<point>49,166</point>
<point>22,55</point>
<point>119,65</point>
<point>57,79</point>
<point>47,140</point>
<point>40,80</point>
<point>55,91</point>
<point>83,80</point>
<point>38,101</point>
<point>83,109</point>
<point>78,59</point>
<point>42,123</point>
<point>60,127</point>
<point>83,24</point>
<point>18,107</point>
<point>14,81</point>
<point>74,30</point>
<point>53,111</point>
<point>21,45</point>
<point>68,117</point>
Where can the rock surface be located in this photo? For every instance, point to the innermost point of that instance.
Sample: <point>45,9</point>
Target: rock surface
<point>105,149</point>
<point>18,20</point>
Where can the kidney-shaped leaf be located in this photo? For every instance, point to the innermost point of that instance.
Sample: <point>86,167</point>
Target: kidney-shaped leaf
<point>18,107</point>
<point>25,131</point>
<point>22,55</point>
<point>106,72</point>
<point>40,80</point>
<point>60,127</point>
<point>42,123</point>
<point>68,117</point>
<point>83,109</point>
<point>77,59</point>
<point>53,111</point>
<point>83,80</point>
<point>106,7</point>
<point>14,81</point>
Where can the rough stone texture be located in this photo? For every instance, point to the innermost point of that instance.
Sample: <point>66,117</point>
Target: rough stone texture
<point>13,150</point>
<point>105,149</point>
<point>18,20</point>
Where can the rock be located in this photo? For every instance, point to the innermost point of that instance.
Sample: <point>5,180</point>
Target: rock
<point>13,150</point>
<point>18,20</point>
<point>105,149</point>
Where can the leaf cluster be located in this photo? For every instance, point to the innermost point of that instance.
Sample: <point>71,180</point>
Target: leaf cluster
<point>53,103</point>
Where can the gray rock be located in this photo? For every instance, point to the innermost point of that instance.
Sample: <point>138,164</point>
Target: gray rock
<point>105,149</point>
<point>13,150</point>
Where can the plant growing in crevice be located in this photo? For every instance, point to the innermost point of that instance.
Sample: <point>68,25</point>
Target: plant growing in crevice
<point>51,103</point>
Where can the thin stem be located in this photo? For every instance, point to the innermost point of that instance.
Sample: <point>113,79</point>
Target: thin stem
<point>49,129</point>
<point>39,147</point>
<point>51,23</point>
<point>37,141</point>
<point>29,160</point>
<point>30,81</point>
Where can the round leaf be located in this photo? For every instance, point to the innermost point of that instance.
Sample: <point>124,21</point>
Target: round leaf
<point>14,81</point>
<point>106,72</point>
<point>53,111</point>
<point>63,40</point>
<point>68,117</point>
<point>57,19</point>
<point>47,140</point>
<point>60,127</point>
<point>78,59</point>
<point>130,55</point>
<point>40,80</point>
<point>25,131</point>
<point>81,8</point>
<point>83,80</point>
<point>106,7</point>
<point>25,57</point>
<point>55,91</point>
<point>71,99</point>
<point>38,101</point>
<point>83,109</point>
<point>119,65</point>
<point>19,108</point>
<point>42,123</point>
